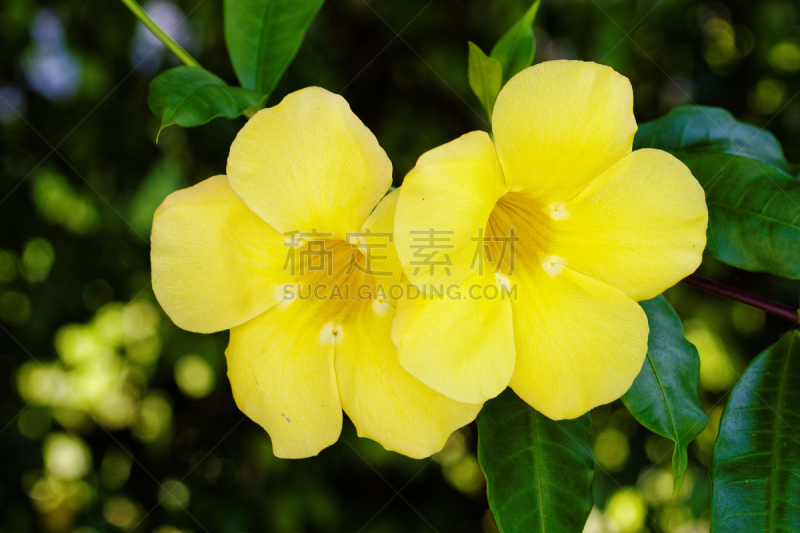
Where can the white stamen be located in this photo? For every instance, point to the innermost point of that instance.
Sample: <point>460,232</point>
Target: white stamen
<point>331,333</point>
<point>284,296</point>
<point>297,240</point>
<point>553,265</point>
<point>558,211</point>
<point>380,306</point>
<point>502,281</point>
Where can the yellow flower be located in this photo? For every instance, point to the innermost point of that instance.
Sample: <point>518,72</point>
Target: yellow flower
<point>220,260</point>
<point>599,228</point>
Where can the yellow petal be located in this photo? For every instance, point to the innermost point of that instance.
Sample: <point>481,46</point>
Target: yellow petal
<point>376,239</point>
<point>385,402</point>
<point>580,343</point>
<point>640,227</point>
<point>309,163</point>
<point>459,345</point>
<point>560,124</point>
<point>215,263</point>
<point>444,201</point>
<point>281,370</point>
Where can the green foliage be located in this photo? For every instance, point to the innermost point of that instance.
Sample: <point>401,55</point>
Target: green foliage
<point>263,36</point>
<point>754,213</point>
<point>754,207</point>
<point>706,130</point>
<point>539,472</point>
<point>663,398</point>
<point>485,77</point>
<point>516,48</point>
<point>191,96</point>
<point>756,466</point>
<point>87,303</point>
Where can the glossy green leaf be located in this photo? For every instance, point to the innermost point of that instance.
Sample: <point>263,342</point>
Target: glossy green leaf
<point>516,48</point>
<point>191,96</point>
<point>755,470</point>
<point>539,472</point>
<point>263,36</point>
<point>700,129</point>
<point>663,397</point>
<point>485,77</point>
<point>754,212</point>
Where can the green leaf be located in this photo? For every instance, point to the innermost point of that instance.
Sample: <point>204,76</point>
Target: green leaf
<point>263,36</point>
<point>700,129</point>
<point>755,470</point>
<point>754,207</point>
<point>754,212</point>
<point>191,96</point>
<point>539,472</point>
<point>485,77</point>
<point>663,397</point>
<point>515,49</point>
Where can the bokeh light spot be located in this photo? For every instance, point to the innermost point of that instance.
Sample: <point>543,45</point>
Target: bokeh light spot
<point>97,293</point>
<point>9,266</point>
<point>115,410</point>
<point>58,203</point>
<point>766,96</point>
<point>37,259</point>
<point>717,371</point>
<point>121,512</point>
<point>465,475</point>
<point>611,449</point>
<point>785,57</point>
<point>747,320</point>
<point>626,510</point>
<point>705,440</point>
<point>154,417</point>
<point>173,494</point>
<point>140,319</point>
<point>115,468</point>
<point>194,376</point>
<point>77,344</point>
<point>34,422</point>
<point>66,456</point>
<point>15,308</point>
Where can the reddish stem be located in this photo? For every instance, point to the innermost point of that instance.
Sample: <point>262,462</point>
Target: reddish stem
<point>774,308</point>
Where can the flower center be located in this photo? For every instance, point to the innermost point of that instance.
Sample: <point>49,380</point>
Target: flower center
<point>336,277</point>
<point>519,232</point>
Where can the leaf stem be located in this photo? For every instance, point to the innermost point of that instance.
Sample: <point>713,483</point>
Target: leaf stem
<point>174,47</point>
<point>759,302</point>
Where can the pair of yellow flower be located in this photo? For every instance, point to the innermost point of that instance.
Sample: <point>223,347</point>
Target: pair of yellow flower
<point>593,229</point>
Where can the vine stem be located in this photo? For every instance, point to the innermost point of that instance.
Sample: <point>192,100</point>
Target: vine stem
<point>174,47</point>
<point>759,302</point>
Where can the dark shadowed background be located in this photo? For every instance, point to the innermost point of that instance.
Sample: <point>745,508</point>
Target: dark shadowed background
<point>112,418</point>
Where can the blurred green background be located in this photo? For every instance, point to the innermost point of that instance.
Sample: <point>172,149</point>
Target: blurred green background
<point>114,419</point>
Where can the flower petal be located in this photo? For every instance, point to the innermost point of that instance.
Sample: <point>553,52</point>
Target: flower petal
<point>580,343</point>
<point>309,163</point>
<point>560,124</point>
<point>451,191</point>
<point>458,345</point>
<point>377,239</point>
<point>281,370</point>
<point>386,403</point>
<point>215,264</point>
<point>640,227</point>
